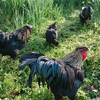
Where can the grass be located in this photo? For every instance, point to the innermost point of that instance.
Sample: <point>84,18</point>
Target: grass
<point>15,13</point>
<point>71,34</point>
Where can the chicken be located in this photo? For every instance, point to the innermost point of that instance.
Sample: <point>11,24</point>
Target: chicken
<point>10,44</point>
<point>63,76</point>
<point>51,34</point>
<point>85,15</point>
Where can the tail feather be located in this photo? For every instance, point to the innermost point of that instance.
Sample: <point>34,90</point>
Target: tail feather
<point>26,62</point>
<point>32,73</point>
<point>28,59</point>
<point>29,55</point>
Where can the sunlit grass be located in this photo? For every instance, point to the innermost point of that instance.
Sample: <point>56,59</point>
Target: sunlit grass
<point>16,13</point>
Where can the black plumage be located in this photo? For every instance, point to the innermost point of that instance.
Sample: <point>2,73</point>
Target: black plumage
<point>51,34</point>
<point>63,76</point>
<point>85,15</point>
<point>10,44</point>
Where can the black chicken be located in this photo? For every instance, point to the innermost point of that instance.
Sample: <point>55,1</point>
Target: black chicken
<point>51,34</point>
<point>85,15</point>
<point>63,76</point>
<point>10,44</point>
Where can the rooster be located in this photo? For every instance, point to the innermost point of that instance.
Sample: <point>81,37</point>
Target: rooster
<point>85,15</point>
<point>10,44</point>
<point>63,76</point>
<point>51,34</point>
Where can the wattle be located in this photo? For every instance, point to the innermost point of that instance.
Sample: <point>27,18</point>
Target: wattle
<point>84,54</point>
<point>30,31</point>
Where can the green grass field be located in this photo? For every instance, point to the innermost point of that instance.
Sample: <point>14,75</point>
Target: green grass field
<point>70,35</point>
